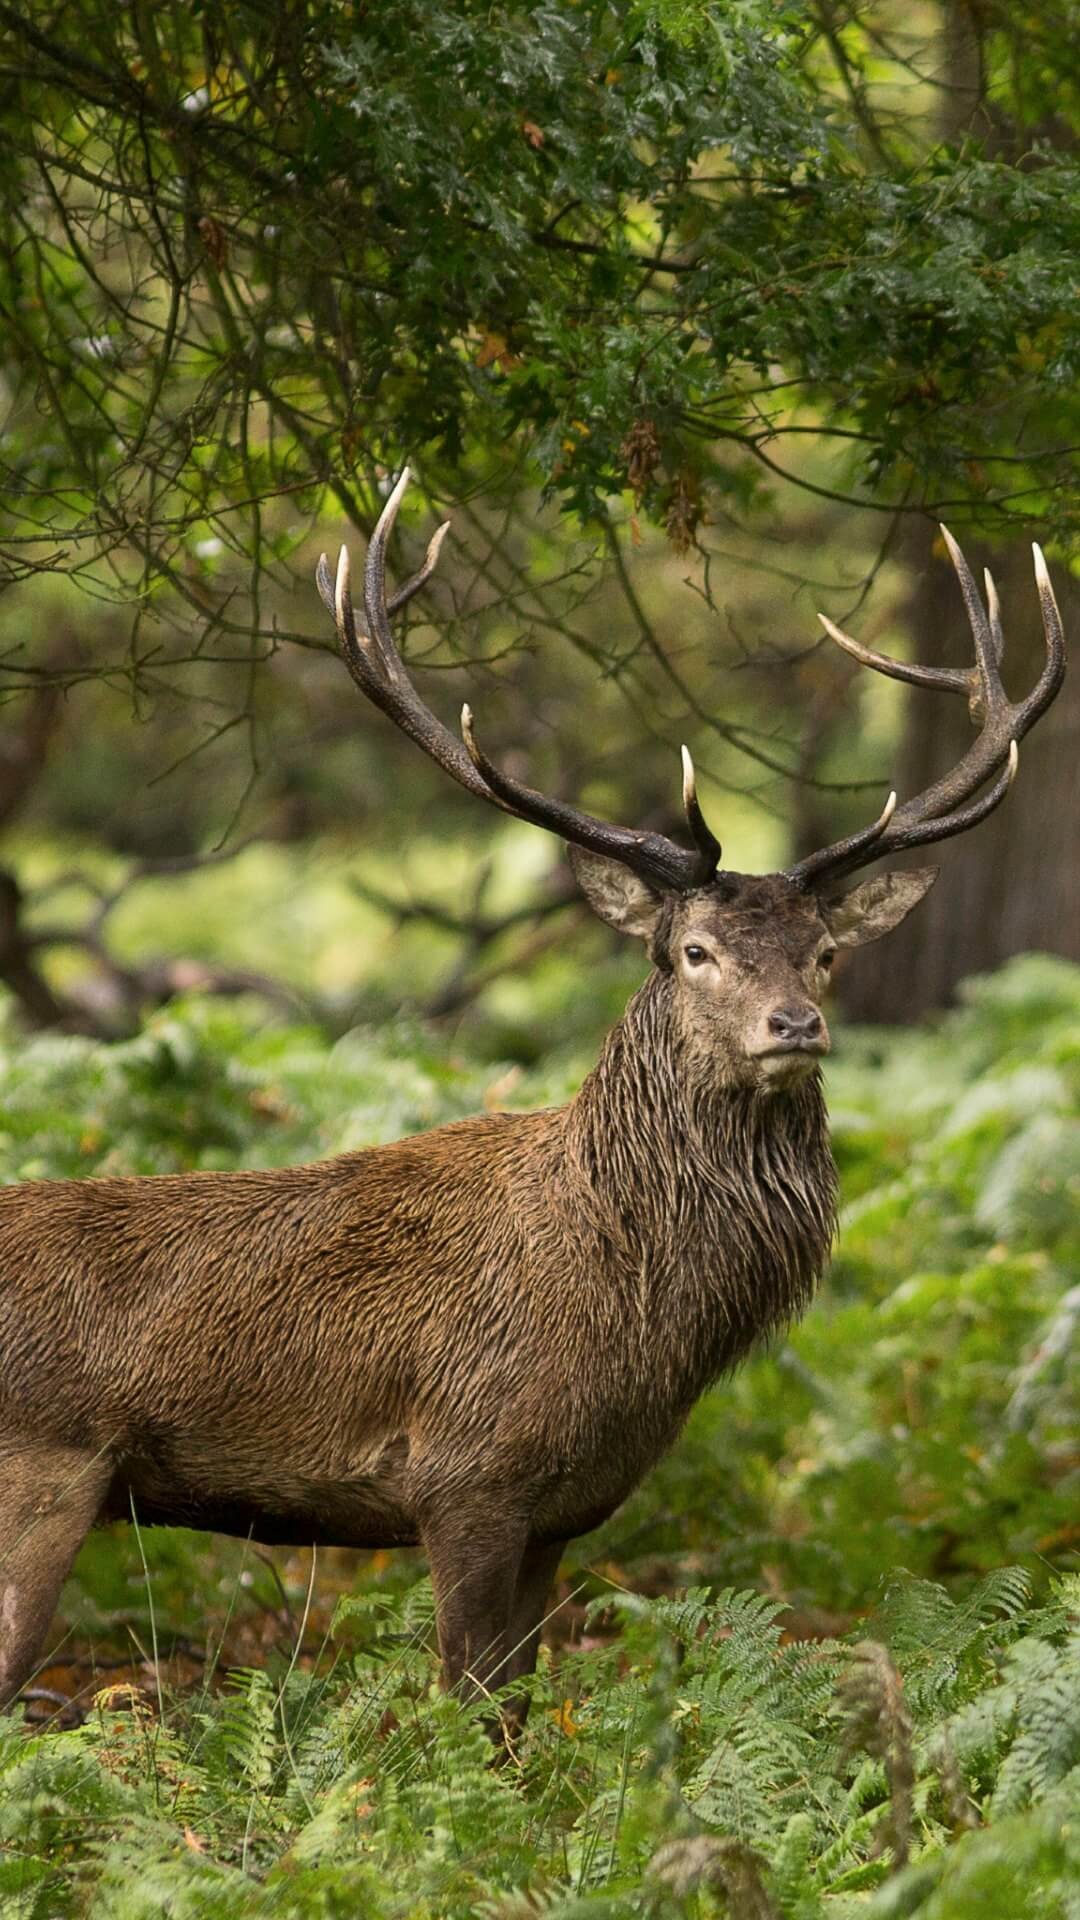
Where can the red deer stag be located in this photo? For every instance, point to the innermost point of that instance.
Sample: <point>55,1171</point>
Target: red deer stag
<point>479,1338</point>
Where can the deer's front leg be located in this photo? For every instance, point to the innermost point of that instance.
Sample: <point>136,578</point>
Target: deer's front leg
<point>49,1499</point>
<point>475,1550</point>
<point>536,1577</point>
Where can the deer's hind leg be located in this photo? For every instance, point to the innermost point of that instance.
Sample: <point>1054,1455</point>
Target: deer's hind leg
<point>49,1499</point>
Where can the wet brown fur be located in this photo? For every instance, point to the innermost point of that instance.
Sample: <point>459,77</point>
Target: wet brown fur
<point>478,1338</point>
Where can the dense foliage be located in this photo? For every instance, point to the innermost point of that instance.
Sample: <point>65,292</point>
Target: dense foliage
<point>826,1662</point>
<point>248,257</point>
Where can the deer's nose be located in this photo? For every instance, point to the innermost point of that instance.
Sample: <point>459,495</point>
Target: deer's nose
<point>795,1024</point>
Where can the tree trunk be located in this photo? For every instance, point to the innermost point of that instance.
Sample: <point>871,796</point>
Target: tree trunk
<point>1010,885</point>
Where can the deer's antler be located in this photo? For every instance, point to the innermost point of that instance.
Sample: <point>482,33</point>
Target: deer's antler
<point>950,805</point>
<point>379,672</point>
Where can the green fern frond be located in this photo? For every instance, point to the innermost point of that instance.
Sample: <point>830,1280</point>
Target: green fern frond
<point>791,1879</point>
<point>1046,1748</point>
<point>941,1645</point>
<point>248,1729</point>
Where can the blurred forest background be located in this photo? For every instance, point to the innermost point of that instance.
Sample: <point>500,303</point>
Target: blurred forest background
<point>693,319</point>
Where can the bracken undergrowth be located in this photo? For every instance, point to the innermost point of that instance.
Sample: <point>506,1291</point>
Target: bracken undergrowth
<point>825,1662</point>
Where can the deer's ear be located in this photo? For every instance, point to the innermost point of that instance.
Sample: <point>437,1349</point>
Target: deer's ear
<point>876,907</point>
<point>616,894</point>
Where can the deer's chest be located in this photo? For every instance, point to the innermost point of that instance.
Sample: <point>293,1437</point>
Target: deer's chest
<point>686,1310</point>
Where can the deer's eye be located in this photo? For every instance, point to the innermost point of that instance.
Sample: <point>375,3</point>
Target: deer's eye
<point>826,959</point>
<point>695,955</point>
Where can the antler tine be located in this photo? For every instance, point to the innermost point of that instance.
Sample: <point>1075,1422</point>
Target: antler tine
<point>336,596</point>
<point>980,684</point>
<point>404,594</point>
<point>948,807</point>
<point>993,608</point>
<point>1048,685</point>
<point>324,580</point>
<point>343,610</point>
<point>853,850</point>
<point>375,606</point>
<point>952,679</point>
<point>704,838</point>
<point>987,690</point>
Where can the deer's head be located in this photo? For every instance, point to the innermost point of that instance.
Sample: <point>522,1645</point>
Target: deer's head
<point>748,955</point>
<point>749,958</point>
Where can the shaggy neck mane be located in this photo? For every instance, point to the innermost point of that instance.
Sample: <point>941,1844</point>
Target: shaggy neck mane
<point>720,1200</point>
